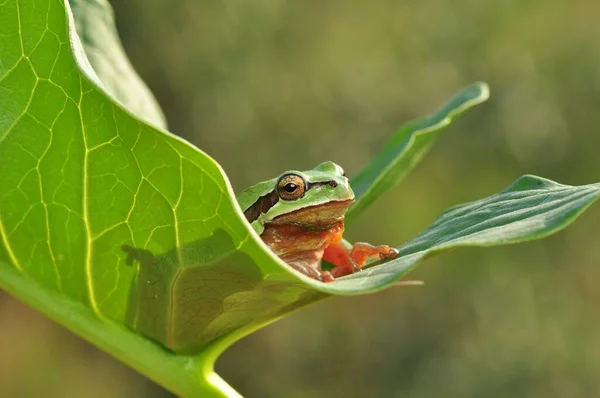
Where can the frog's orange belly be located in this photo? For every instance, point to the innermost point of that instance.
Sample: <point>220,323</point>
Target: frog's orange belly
<point>299,246</point>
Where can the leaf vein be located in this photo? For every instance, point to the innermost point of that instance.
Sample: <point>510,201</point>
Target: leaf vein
<point>8,248</point>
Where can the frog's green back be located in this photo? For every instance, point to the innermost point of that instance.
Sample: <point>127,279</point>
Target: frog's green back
<point>251,195</point>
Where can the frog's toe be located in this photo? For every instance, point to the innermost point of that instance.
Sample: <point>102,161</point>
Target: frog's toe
<point>388,252</point>
<point>326,277</point>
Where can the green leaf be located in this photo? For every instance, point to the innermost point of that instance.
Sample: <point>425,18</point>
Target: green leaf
<point>407,147</point>
<point>530,208</point>
<point>133,239</point>
<point>86,188</point>
<point>95,24</point>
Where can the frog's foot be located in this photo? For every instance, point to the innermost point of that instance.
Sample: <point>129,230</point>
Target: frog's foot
<point>350,261</point>
<point>361,252</point>
<point>326,276</point>
<point>323,276</point>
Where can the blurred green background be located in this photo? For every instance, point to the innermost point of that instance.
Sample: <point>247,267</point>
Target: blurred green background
<point>264,86</point>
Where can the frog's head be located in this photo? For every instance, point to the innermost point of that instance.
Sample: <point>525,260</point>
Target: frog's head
<point>314,199</point>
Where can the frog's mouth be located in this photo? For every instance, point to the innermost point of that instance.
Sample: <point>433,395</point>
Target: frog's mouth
<point>317,217</point>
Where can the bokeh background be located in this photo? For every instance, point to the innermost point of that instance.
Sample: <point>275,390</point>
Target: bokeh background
<point>264,86</point>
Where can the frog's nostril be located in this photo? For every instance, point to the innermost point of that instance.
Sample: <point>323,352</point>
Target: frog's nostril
<point>333,183</point>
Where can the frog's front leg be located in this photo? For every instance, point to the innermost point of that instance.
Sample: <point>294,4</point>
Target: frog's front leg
<point>348,260</point>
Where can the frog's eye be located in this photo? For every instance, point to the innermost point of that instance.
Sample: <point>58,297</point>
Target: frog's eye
<point>291,187</point>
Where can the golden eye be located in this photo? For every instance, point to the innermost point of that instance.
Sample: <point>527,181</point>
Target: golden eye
<point>291,187</point>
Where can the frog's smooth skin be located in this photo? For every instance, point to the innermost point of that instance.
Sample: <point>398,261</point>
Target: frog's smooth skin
<point>300,216</point>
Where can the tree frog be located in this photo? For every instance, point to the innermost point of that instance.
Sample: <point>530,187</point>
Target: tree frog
<point>300,216</point>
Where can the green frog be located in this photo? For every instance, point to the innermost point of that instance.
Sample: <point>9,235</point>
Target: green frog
<point>300,216</point>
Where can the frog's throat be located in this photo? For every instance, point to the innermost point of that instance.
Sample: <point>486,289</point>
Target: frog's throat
<point>317,218</point>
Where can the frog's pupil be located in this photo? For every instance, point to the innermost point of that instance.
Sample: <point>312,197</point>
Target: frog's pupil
<point>290,187</point>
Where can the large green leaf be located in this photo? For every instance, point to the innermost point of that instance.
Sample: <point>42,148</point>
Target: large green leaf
<point>85,186</point>
<point>133,239</point>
